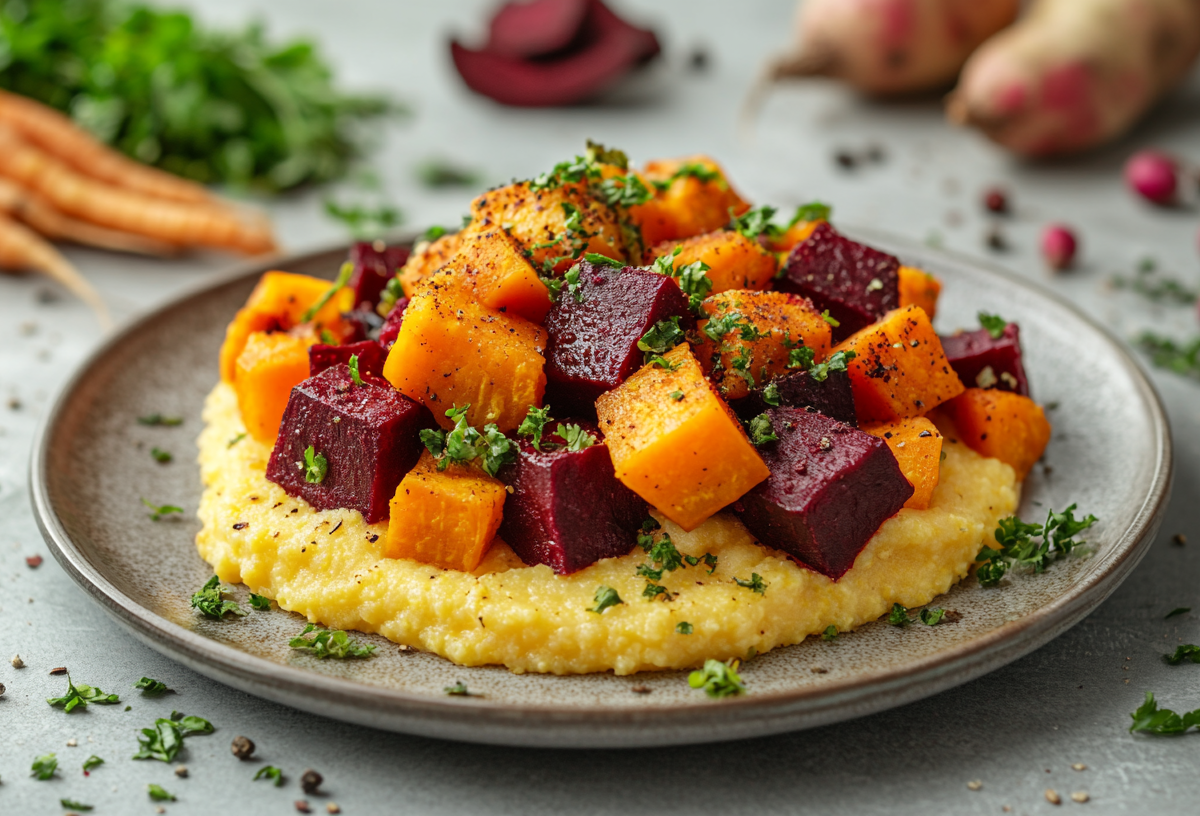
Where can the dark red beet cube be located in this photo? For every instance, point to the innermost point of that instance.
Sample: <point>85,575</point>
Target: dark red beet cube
<point>369,435</point>
<point>391,324</point>
<point>593,344</point>
<point>566,509</point>
<point>832,396</point>
<point>375,264</point>
<point>857,284</point>
<point>370,357</point>
<point>983,361</point>
<point>830,488</point>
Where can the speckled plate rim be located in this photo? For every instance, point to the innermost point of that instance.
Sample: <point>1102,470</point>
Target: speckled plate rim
<point>478,720</point>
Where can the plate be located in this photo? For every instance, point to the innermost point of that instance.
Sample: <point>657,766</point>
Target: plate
<point>1111,453</point>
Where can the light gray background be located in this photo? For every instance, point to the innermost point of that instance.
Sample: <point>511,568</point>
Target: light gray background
<point>1017,730</point>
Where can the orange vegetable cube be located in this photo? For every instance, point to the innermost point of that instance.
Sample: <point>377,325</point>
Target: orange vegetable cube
<point>734,261</point>
<point>491,263</point>
<point>793,235</point>
<point>919,288</point>
<point>689,206</point>
<point>267,370</point>
<point>676,443</point>
<point>775,321</point>
<point>452,350</point>
<point>899,369</point>
<point>427,257</point>
<point>445,518</point>
<point>917,445</point>
<point>1002,425</point>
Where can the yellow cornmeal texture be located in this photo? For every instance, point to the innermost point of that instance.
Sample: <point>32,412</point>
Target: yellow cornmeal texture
<point>531,620</point>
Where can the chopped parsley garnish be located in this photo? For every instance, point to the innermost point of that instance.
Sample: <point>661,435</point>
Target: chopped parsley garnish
<point>755,584</point>
<point>1183,359</point>
<point>664,554</point>
<point>316,466</point>
<point>209,602</point>
<point>343,278</point>
<point>1018,546</point>
<point>163,741</point>
<point>235,440</point>
<point>604,598</point>
<point>353,366</point>
<point>44,767</point>
<point>813,211</point>
<point>151,687</point>
<point>1187,651</point>
<point>684,628</point>
<point>269,772</point>
<point>79,695</point>
<point>603,260</point>
<point>830,633</point>
<point>464,444</point>
<point>756,221</point>
<point>709,560</point>
<point>260,602</point>
<point>437,173</point>
<point>676,395</point>
<point>91,763</point>
<point>158,511</point>
<point>801,357</point>
<point>622,191</point>
<point>159,419</point>
<point>995,324</point>
<point>898,616</point>
<point>1150,719</point>
<point>598,153</point>
<point>653,590</point>
<point>429,236</point>
<point>497,450</point>
<point>662,337</point>
<point>71,804</point>
<point>645,538</point>
<point>577,438</point>
<point>363,220</point>
<point>1153,287</point>
<point>161,456</point>
<point>760,430</point>
<point>830,319</point>
<point>1181,610</point>
<point>534,425</point>
<point>690,170</point>
<point>326,643</point>
<point>459,689</point>
<point>771,396</point>
<point>159,794</point>
<point>665,264</point>
<point>932,616</point>
<point>692,278</point>
<point>567,172</point>
<point>663,362</point>
<point>718,679</point>
<point>837,362</point>
<point>647,571</point>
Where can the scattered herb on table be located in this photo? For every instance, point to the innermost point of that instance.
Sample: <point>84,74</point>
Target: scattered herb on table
<point>1019,546</point>
<point>210,603</point>
<point>164,740</point>
<point>91,763</point>
<point>684,628</point>
<point>1181,610</point>
<point>71,804</point>
<point>159,511</point>
<point>898,616</point>
<point>755,584</point>
<point>269,772</point>
<point>159,419</point>
<point>365,222</point>
<point>1150,719</point>
<point>260,602</point>
<point>830,633</point>
<point>161,456</point>
<point>718,679</point>
<point>1166,353</point>
<point>1187,651</point>
<point>159,793</point>
<point>932,616</point>
<point>44,767</point>
<point>604,598</point>
<point>330,643</point>
<point>459,689</point>
<point>1152,286</point>
<point>150,686</point>
<point>79,695</point>
<point>438,173</point>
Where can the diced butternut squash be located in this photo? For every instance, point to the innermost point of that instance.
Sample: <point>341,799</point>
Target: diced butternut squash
<point>690,205</point>
<point>445,518</point>
<point>757,346</point>
<point>919,288</point>
<point>899,369</point>
<point>1002,425</point>
<point>452,350</point>
<point>490,262</point>
<point>917,445</point>
<point>427,257</point>
<point>538,220</point>
<point>793,235</point>
<point>676,443</point>
<point>269,367</point>
<point>734,261</point>
<point>278,303</point>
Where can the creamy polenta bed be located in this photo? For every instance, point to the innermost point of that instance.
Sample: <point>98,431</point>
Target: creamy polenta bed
<point>621,420</point>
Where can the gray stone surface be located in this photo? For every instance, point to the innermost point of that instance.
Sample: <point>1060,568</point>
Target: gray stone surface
<point>1017,730</point>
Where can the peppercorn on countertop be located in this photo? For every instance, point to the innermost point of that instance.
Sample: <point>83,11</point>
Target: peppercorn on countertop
<point>1017,731</point>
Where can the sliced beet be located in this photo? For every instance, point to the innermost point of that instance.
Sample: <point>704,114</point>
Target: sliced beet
<point>567,509</point>
<point>606,49</point>
<point>832,396</point>
<point>972,354</point>
<point>369,435</point>
<point>536,28</point>
<point>374,265</point>
<point>370,357</point>
<point>593,344</point>
<point>391,324</point>
<point>857,284</point>
<point>830,488</point>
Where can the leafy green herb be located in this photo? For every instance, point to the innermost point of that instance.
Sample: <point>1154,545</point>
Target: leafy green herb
<point>534,425</point>
<point>1181,610</point>
<point>161,456</point>
<point>191,725</point>
<point>1187,651</point>
<point>438,173</point>
<point>566,172</point>
<point>1018,546</point>
<point>336,644</point>
<point>663,362</point>
<point>577,438</point>
<point>158,511</point>
<point>459,689</point>
<point>813,211</point>
<point>664,553</point>
<point>464,444</point>
<point>690,170</point>
<point>898,616</point>
<point>71,804</point>
<point>830,633</point>
<point>1150,719</point>
<point>343,278</point>
<point>684,628</point>
<point>676,395</point>
<point>755,222</point>
<point>434,441</point>
<point>836,362</point>
<point>79,695</point>
<point>1153,287</point>
<point>151,687</point>
<point>755,584</point>
<point>603,260</point>
<point>653,591</point>
<point>44,767</point>
<point>91,763</point>
<point>709,560</point>
<point>429,236</point>
<point>269,772</point>
<point>235,440</point>
<point>995,324</point>
<point>647,571</point>
<point>162,742</point>
<point>210,603</point>
<point>598,153</point>
<point>622,191</point>
<point>159,419</point>
<point>771,396</point>
<point>645,538</point>
<point>604,598</point>
<point>364,221</point>
<point>662,337</point>
<point>160,794</point>
<point>498,449</point>
<point>932,616</point>
<point>801,357</point>
<point>760,430</point>
<point>353,366</point>
<point>718,679</point>
<point>1166,353</point>
<point>316,466</point>
<point>260,602</point>
<point>828,318</point>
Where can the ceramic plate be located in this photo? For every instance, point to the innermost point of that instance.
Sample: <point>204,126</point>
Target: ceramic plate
<point>1111,453</point>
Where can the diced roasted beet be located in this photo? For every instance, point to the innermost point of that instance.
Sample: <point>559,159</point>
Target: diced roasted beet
<point>370,357</point>
<point>983,361</point>
<point>535,28</point>
<point>593,345</point>
<point>567,509</point>
<point>832,396</point>
<point>369,435</point>
<point>830,488</point>
<point>374,265</point>
<point>391,324</point>
<point>857,284</point>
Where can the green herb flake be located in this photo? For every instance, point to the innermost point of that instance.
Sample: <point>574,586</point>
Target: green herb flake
<point>995,324</point>
<point>235,440</point>
<point>645,538</point>
<point>718,679</point>
<point>210,603</point>
<point>439,173</point>
<point>830,633</point>
<point>159,511</point>
<point>690,170</point>
<point>1187,651</point>
<point>160,420</point>
<point>662,337</point>
<point>577,438</point>
<point>761,431</point>
<point>459,689</point>
<point>534,425</point>
<point>932,616</point>
<point>161,794</point>
<point>709,560</point>
<point>828,318</point>
<point>599,154</point>
<point>653,591</point>
<point>755,584</point>
<point>771,396</point>
<point>343,278</point>
<point>1182,359</point>
<point>838,361</point>
<point>353,366</point>
<point>898,616</point>
<point>151,687</point>
<point>161,456</point>
<point>326,643</point>
<point>603,260</point>
<point>1150,719</point>
<point>44,767</point>
<point>71,804</point>
<point>79,695</point>
<point>755,222</point>
<point>813,211</point>
<point>260,603</point>
<point>269,772</point>
<point>684,628</point>
<point>1018,547</point>
<point>1180,610</point>
<point>316,466</point>
<point>663,363</point>
<point>676,395</point>
<point>92,763</point>
<point>604,598</point>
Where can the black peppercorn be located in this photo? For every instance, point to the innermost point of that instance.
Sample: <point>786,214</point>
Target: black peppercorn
<point>310,780</point>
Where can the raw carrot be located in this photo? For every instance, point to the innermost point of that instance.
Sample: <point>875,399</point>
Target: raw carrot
<point>21,248</point>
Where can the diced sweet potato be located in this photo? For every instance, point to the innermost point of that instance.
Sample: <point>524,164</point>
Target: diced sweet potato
<point>793,235</point>
<point>919,288</point>
<point>762,325</point>
<point>857,284</point>
<point>1002,425</point>
<point>830,489</point>
<point>537,219</point>
<point>734,261</point>
<point>375,263</point>
<point>832,396</point>
<point>676,443</point>
<point>445,518</point>
<point>917,445</point>
<point>593,345</point>
<point>988,362</point>
<point>269,367</point>
<point>427,257</point>
<point>452,351</point>
<point>370,357</point>
<point>689,206</point>
<point>899,369</point>
<point>368,434</point>
<point>491,263</point>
